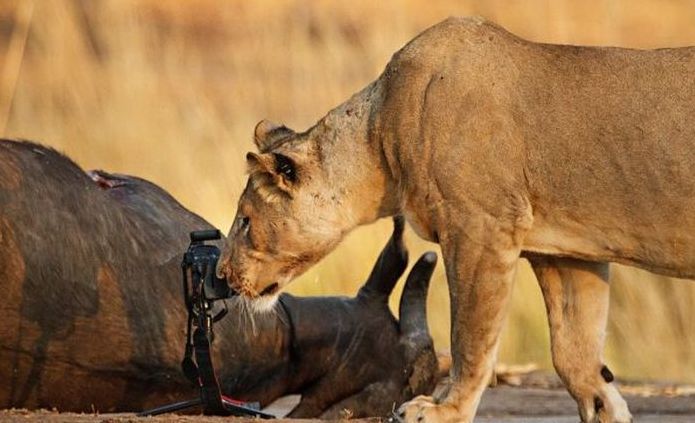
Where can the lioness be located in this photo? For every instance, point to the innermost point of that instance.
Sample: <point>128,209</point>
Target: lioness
<point>492,146</point>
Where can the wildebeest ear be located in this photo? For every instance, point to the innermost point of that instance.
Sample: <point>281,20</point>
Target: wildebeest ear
<point>268,135</point>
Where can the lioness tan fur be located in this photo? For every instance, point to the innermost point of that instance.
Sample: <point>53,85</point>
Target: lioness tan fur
<point>493,147</point>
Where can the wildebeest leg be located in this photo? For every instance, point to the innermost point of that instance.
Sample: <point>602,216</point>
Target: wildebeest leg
<point>323,394</point>
<point>311,405</point>
<point>480,261</point>
<point>576,296</point>
<point>377,399</point>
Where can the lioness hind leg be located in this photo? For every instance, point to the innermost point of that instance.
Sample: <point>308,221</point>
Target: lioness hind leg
<point>576,296</point>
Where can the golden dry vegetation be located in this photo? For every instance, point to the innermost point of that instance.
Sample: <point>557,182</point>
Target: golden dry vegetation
<point>171,90</point>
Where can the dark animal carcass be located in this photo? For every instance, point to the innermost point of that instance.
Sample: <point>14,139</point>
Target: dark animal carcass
<point>92,314</point>
<point>343,353</point>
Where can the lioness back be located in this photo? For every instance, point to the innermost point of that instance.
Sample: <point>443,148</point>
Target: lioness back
<point>595,144</point>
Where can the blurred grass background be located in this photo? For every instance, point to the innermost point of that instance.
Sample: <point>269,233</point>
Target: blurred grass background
<point>171,90</point>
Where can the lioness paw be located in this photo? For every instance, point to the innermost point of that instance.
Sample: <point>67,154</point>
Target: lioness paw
<point>608,407</point>
<point>423,409</point>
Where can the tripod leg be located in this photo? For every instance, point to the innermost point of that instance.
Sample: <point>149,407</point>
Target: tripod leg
<point>170,408</point>
<point>238,410</point>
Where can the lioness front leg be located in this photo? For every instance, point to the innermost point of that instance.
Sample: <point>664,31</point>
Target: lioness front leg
<point>576,295</point>
<point>480,263</point>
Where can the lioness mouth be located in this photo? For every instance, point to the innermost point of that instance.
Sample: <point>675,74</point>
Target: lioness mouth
<point>270,289</point>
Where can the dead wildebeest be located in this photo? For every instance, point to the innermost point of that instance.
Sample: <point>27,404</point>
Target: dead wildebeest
<point>93,317</point>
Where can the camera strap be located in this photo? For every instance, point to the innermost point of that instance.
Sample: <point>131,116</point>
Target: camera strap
<point>190,369</point>
<point>209,385</point>
<point>197,366</point>
<point>188,366</point>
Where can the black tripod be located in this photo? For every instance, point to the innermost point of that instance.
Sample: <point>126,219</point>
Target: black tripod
<point>201,289</point>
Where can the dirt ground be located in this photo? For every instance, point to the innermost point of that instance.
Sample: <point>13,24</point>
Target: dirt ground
<point>536,398</point>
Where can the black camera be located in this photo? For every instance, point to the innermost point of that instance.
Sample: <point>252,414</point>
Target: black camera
<point>199,264</point>
<point>201,288</point>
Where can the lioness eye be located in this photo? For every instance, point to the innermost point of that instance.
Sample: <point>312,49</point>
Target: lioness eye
<point>286,166</point>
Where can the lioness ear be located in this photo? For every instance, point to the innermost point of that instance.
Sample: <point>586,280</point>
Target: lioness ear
<point>259,162</point>
<point>280,169</point>
<point>268,135</point>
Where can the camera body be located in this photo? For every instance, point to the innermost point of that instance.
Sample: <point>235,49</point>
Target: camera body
<point>199,264</point>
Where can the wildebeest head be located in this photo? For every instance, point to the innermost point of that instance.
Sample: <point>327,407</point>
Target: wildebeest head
<point>340,352</point>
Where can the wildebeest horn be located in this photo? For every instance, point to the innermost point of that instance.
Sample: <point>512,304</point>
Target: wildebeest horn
<point>390,265</point>
<point>413,306</point>
<point>415,335</point>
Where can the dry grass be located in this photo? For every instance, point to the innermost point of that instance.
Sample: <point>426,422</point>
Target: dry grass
<point>171,91</point>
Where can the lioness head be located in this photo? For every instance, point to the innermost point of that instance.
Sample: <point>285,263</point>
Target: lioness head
<point>286,219</point>
<point>304,192</point>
